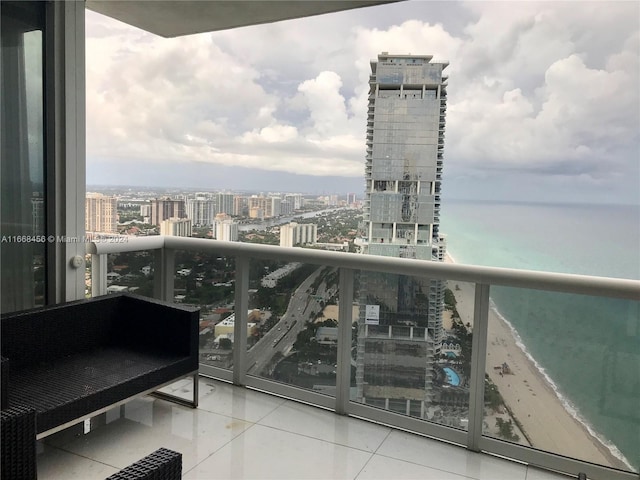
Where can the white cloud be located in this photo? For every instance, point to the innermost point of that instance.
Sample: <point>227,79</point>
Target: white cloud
<point>544,88</point>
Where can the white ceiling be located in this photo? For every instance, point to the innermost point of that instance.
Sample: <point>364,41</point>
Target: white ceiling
<point>185,17</point>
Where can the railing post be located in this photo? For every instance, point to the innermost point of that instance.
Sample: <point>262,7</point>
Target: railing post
<point>98,275</point>
<point>164,266</point>
<point>478,365</point>
<point>345,322</point>
<point>241,295</point>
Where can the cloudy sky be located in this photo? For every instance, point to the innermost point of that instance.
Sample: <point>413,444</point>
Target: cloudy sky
<point>543,100</point>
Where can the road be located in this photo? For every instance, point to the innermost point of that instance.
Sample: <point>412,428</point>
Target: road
<point>302,307</point>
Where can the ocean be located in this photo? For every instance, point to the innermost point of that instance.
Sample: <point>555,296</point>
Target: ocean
<point>587,347</point>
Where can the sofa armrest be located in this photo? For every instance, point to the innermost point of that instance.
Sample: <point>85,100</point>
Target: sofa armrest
<point>163,464</point>
<point>18,447</point>
<point>145,323</point>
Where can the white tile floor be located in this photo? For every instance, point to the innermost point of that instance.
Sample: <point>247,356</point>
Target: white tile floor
<point>238,433</point>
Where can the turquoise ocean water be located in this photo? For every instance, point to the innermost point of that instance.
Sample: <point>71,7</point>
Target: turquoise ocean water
<point>588,347</point>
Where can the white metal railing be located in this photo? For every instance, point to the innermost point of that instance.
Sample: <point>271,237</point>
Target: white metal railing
<point>164,248</point>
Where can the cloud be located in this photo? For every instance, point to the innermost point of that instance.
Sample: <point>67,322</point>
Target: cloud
<point>546,89</point>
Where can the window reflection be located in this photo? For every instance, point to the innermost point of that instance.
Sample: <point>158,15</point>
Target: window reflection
<point>22,145</point>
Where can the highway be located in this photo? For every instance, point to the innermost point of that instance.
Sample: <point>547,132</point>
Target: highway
<point>302,307</point>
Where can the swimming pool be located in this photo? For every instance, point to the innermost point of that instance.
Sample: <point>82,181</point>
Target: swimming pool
<point>452,377</point>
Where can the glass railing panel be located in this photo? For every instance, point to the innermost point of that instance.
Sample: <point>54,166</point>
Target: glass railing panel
<point>131,272</point>
<point>563,375</point>
<point>207,280</point>
<point>294,308</point>
<point>411,348</point>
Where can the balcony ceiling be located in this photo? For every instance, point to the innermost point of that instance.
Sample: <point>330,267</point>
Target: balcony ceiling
<point>186,17</point>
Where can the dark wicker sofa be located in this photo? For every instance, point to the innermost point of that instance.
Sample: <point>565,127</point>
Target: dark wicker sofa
<point>74,360</point>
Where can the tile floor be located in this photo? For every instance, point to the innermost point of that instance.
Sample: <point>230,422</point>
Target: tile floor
<point>241,434</point>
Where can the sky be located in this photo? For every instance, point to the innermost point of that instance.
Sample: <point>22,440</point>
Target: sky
<point>543,100</point>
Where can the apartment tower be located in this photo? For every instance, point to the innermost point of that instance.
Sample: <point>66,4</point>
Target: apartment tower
<point>400,322</point>
<point>293,234</point>
<point>101,213</point>
<point>166,208</point>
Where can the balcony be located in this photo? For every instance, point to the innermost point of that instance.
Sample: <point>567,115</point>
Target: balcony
<point>239,433</point>
<point>468,422</point>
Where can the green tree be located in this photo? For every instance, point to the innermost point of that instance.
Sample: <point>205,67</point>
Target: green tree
<point>505,430</point>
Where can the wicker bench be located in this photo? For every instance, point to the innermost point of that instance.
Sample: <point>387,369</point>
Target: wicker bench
<point>72,361</point>
<point>163,464</point>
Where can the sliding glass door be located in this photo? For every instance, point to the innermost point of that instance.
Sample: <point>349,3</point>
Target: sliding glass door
<point>22,193</point>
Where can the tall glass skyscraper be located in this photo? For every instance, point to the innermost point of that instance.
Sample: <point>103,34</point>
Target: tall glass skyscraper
<point>400,322</point>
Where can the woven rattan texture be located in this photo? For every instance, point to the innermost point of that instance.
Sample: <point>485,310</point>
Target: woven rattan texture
<point>163,464</point>
<point>18,444</point>
<point>80,384</point>
<point>71,360</point>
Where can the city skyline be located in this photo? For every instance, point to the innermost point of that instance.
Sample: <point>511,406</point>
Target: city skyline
<point>545,104</point>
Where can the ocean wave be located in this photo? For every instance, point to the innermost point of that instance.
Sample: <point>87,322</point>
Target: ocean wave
<point>566,403</point>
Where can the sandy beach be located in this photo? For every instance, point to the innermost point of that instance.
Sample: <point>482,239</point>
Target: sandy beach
<point>547,424</point>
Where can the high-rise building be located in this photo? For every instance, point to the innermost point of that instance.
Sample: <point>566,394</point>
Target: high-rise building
<point>201,211</point>
<point>225,203</point>
<point>296,199</point>
<point>101,213</point>
<point>165,208</point>
<point>145,212</point>
<point>240,206</point>
<point>263,207</point>
<point>176,227</point>
<point>276,209</point>
<point>400,322</point>
<point>293,234</point>
<point>286,207</point>
<point>37,214</point>
<point>226,229</point>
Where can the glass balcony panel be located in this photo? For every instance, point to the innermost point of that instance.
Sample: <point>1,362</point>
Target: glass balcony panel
<point>296,341</point>
<point>563,375</point>
<point>131,272</point>
<point>411,350</point>
<point>207,280</point>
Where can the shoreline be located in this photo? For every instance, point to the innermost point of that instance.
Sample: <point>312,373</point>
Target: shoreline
<point>529,394</point>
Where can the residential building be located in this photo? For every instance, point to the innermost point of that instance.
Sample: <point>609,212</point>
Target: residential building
<point>276,203</point>
<point>201,211</point>
<point>165,208</point>
<point>145,212</point>
<point>240,206</point>
<point>286,207</point>
<point>177,227</point>
<point>264,207</point>
<point>225,203</point>
<point>38,214</point>
<point>296,199</point>
<point>400,324</point>
<point>226,229</point>
<point>101,213</point>
<point>293,234</point>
